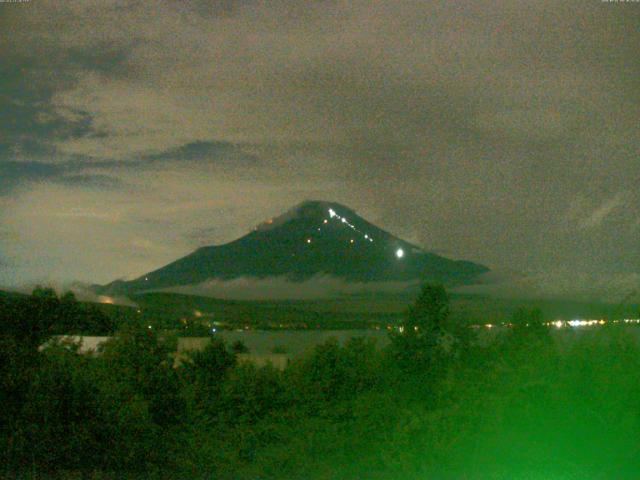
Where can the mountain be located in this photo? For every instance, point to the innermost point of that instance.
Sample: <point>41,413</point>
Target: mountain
<point>313,238</point>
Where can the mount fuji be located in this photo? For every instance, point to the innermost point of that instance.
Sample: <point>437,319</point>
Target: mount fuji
<point>313,238</point>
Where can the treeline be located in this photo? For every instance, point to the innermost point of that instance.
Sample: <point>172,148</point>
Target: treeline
<point>35,317</point>
<point>433,404</point>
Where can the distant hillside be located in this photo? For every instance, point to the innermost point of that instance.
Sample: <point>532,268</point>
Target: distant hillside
<point>354,311</point>
<point>314,238</point>
<point>182,313</point>
<point>43,313</point>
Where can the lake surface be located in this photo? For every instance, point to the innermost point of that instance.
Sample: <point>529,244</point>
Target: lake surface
<point>298,342</point>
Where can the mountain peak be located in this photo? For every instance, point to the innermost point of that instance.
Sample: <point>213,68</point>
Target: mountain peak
<point>315,237</point>
<point>307,209</point>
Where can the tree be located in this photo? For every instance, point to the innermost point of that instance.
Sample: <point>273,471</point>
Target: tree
<point>422,338</point>
<point>239,347</point>
<point>139,392</point>
<point>141,363</point>
<point>334,372</point>
<point>250,393</point>
<point>33,320</point>
<point>58,426</point>
<point>204,372</point>
<point>25,324</point>
<point>430,311</point>
<point>69,315</point>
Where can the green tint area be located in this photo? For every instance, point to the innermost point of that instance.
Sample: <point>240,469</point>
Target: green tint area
<point>435,403</point>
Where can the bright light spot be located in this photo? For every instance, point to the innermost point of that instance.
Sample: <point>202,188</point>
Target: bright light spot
<point>578,323</point>
<point>104,299</point>
<point>332,213</point>
<point>351,241</point>
<point>366,236</point>
<point>197,313</point>
<point>308,240</point>
<point>558,324</point>
<point>399,253</point>
<point>146,279</point>
<point>149,327</point>
<point>344,220</point>
<point>326,221</point>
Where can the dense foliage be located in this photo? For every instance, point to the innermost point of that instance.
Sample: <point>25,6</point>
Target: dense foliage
<point>436,403</point>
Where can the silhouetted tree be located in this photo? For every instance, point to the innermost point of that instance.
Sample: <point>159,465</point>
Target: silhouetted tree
<point>140,398</point>
<point>25,324</point>
<point>59,423</point>
<point>251,392</point>
<point>422,338</point>
<point>239,347</point>
<point>204,372</point>
<point>334,372</point>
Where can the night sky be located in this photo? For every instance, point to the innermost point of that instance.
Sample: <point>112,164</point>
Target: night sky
<point>504,133</point>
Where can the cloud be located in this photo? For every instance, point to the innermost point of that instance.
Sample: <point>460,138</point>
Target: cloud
<point>12,173</point>
<point>85,231</point>
<point>591,213</point>
<point>560,283</point>
<point>99,181</point>
<point>600,214</point>
<point>280,288</point>
<point>329,74</point>
<point>130,119</point>
<point>467,128</point>
<point>200,151</point>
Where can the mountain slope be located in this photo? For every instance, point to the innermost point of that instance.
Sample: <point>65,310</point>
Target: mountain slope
<point>311,239</point>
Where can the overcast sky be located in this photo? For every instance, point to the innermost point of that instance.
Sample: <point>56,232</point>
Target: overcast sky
<point>500,132</point>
